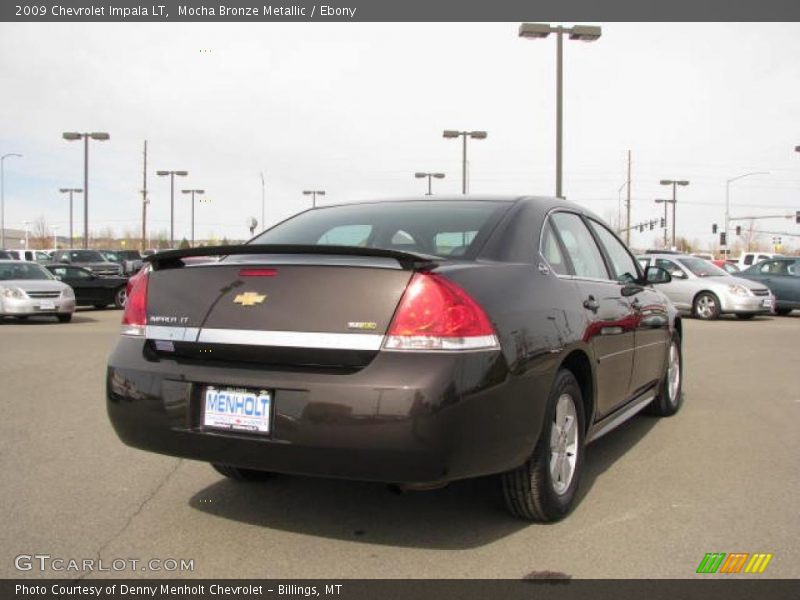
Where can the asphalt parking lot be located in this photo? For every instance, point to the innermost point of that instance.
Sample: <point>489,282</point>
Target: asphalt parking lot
<point>721,476</point>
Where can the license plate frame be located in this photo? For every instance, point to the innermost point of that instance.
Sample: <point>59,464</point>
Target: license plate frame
<point>226,408</point>
<point>766,303</point>
<point>47,305</point>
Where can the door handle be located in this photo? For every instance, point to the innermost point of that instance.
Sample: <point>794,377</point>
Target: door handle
<point>636,305</point>
<point>591,304</point>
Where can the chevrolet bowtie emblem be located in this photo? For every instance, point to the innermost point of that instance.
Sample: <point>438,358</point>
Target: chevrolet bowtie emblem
<point>249,299</point>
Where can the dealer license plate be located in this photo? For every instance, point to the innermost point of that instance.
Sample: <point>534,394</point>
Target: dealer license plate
<point>47,305</point>
<point>237,409</point>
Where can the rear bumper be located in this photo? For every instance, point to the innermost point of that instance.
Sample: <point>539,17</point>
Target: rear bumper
<point>404,418</point>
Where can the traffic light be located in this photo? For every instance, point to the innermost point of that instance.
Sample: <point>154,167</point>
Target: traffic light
<point>713,228</point>
<point>652,224</point>
<point>738,230</point>
<point>797,217</point>
<point>663,223</point>
<point>723,239</point>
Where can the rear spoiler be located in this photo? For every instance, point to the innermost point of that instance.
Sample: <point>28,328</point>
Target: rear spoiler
<point>172,259</point>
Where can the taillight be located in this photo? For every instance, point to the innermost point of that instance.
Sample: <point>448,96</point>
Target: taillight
<point>134,318</point>
<point>436,314</point>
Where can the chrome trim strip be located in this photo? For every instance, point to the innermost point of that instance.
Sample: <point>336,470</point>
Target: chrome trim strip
<point>664,343</point>
<point>172,334</point>
<point>292,339</point>
<point>623,416</point>
<point>613,354</point>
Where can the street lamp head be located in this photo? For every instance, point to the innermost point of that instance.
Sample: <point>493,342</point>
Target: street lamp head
<point>162,173</point>
<point>420,175</point>
<point>534,30</point>
<point>307,192</point>
<point>666,182</point>
<point>585,33</point>
<point>181,173</point>
<point>682,182</point>
<point>320,192</point>
<point>478,135</point>
<point>100,136</point>
<point>10,154</point>
<point>439,175</point>
<point>71,135</point>
<point>450,133</point>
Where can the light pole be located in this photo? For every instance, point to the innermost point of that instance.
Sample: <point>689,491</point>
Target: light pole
<point>26,223</point>
<point>475,135</point>
<point>172,200</point>
<point>70,191</point>
<point>313,194</point>
<point>728,199</point>
<point>55,237</point>
<point>619,206</point>
<point>193,192</point>
<point>583,33</point>
<point>420,175</point>
<point>263,210</point>
<point>3,197</point>
<point>72,136</point>
<point>666,204</point>
<point>674,183</point>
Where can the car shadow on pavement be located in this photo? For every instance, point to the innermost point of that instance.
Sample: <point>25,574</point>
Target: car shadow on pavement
<point>77,317</point>
<point>465,514</point>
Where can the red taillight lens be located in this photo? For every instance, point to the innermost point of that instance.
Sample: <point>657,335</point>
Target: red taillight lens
<point>436,314</point>
<point>134,318</point>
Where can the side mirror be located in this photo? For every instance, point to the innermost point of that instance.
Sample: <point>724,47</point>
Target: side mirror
<point>655,275</point>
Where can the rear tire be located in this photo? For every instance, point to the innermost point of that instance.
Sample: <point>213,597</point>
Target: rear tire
<point>706,306</point>
<point>544,488</point>
<point>782,312</point>
<point>240,474</point>
<point>670,394</point>
<point>64,318</point>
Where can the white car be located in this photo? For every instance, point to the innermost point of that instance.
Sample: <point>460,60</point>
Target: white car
<point>748,259</point>
<point>706,291</point>
<point>28,289</point>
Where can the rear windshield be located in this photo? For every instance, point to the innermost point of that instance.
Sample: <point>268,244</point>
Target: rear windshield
<point>436,228</point>
<point>22,270</point>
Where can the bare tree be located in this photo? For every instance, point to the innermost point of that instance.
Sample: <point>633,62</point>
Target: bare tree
<point>41,235</point>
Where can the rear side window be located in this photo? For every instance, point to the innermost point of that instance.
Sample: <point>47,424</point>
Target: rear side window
<point>552,251</point>
<point>437,228</point>
<point>623,263</point>
<point>581,247</point>
<point>748,259</point>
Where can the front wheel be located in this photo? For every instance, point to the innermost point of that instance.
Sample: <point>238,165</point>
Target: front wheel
<point>670,394</point>
<point>706,306</point>
<point>120,297</point>
<point>544,488</point>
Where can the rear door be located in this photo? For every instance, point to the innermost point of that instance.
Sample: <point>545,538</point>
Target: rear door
<point>651,335</point>
<point>610,320</point>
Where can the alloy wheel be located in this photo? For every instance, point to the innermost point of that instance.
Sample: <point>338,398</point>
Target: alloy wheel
<point>563,444</point>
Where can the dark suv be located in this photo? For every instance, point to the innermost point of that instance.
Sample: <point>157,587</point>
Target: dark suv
<point>88,259</point>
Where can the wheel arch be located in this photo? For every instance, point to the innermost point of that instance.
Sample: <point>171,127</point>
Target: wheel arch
<point>577,362</point>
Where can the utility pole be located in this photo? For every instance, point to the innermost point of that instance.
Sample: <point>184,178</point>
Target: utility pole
<point>263,210</point>
<point>144,200</point>
<point>628,204</point>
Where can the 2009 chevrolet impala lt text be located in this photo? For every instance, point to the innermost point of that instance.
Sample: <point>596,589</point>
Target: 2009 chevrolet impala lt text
<point>412,342</point>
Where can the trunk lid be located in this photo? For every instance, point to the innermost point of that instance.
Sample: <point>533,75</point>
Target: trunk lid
<point>296,310</point>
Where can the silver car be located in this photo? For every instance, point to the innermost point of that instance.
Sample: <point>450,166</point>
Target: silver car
<point>706,291</point>
<point>27,288</point>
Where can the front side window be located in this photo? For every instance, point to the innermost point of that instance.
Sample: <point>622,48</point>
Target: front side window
<point>580,245</point>
<point>671,268</point>
<point>623,263</point>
